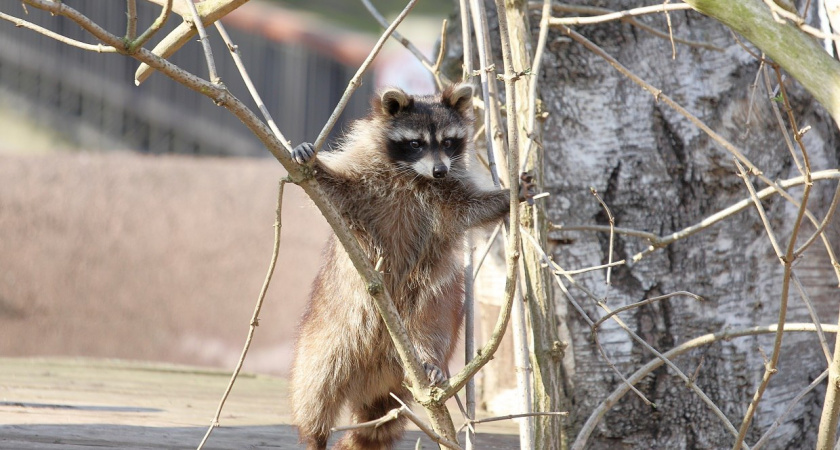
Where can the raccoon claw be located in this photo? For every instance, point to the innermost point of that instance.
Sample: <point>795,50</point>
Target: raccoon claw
<point>434,373</point>
<point>303,153</point>
<point>527,188</point>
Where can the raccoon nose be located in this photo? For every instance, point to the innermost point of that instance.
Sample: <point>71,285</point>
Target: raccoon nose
<point>439,171</point>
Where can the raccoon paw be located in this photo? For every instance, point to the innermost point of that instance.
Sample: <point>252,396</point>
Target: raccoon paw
<point>303,153</point>
<point>434,373</point>
<point>527,188</point>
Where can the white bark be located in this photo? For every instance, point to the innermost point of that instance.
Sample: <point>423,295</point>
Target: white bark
<point>658,173</point>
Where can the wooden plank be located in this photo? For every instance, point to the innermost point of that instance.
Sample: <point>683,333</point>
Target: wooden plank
<point>55,403</point>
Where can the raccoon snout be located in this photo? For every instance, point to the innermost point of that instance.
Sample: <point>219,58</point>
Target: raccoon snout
<point>439,171</point>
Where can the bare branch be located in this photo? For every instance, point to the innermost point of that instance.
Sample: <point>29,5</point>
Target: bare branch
<point>153,28</point>
<point>786,44</point>
<point>131,25</point>
<point>699,392</point>
<point>532,86</point>
<point>205,42</point>
<point>612,231</point>
<point>237,59</point>
<point>644,302</point>
<point>787,261</point>
<point>20,23</point>
<point>469,423</point>
<point>466,43</point>
<point>579,9</point>
<point>209,10</point>
<point>255,318</point>
<point>489,91</point>
<point>434,69</point>
<point>827,434</point>
<point>357,78</point>
<point>821,228</point>
<point>814,318</point>
<point>423,427</point>
<point>781,15</point>
<point>778,422</point>
<point>642,372</point>
<point>486,249</point>
<point>760,208</point>
<point>663,8</point>
<point>513,243</point>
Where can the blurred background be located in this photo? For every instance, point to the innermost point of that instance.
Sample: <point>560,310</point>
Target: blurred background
<point>136,222</point>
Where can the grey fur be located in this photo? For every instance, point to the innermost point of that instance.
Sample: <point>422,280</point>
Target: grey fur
<point>344,355</point>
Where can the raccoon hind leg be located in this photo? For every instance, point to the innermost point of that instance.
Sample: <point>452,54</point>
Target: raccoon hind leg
<point>382,437</point>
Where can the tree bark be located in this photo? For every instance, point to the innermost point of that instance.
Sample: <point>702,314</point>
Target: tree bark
<point>659,173</point>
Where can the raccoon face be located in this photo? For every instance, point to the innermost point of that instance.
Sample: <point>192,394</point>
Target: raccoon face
<point>427,135</point>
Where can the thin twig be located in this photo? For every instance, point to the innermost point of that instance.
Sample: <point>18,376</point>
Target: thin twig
<point>255,318</point>
<point>532,85</point>
<point>424,427</point>
<point>406,43</point>
<point>469,271</point>
<point>466,43</point>
<point>20,23</point>
<point>486,249</point>
<point>774,106</point>
<point>237,59</point>
<point>806,299</point>
<point>699,392</point>
<point>512,251</point>
<point>153,28</point>
<point>356,81</point>
<point>658,95</point>
<point>591,268</point>
<point>205,43</point>
<point>612,231</point>
<point>645,302</point>
<point>760,208</point>
<point>670,30</point>
<point>654,9</point>
<point>489,90</point>
<point>787,262</point>
<point>621,376</point>
<point>781,15</point>
<point>510,417</point>
<point>441,54</point>
<point>653,238</point>
<point>778,421</point>
<point>642,372</point>
<point>820,229</point>
<point>131,23</point>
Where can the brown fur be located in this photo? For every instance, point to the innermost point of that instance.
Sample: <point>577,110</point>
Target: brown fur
<point>344,354</point>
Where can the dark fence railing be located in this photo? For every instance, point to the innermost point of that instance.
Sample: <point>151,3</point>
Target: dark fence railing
<point>82,94</point>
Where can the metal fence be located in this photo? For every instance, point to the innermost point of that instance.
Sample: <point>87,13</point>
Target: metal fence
<point>91,97</point>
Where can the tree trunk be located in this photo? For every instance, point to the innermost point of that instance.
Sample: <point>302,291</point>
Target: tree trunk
<point>659,173</point>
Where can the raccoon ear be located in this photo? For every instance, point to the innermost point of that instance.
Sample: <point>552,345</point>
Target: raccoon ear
<point>458,97</point>
<point>394,100</point>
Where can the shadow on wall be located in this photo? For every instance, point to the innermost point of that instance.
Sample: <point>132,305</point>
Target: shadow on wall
<point>154,258</point>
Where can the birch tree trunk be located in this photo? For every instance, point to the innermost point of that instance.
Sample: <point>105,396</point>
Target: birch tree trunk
<point>659,173</point>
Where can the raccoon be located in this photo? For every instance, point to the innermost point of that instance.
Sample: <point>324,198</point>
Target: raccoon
<point>399,178</point>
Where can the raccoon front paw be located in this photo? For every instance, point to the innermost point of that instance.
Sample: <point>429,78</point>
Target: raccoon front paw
<point>303,153</point>
<point>436,376</point>
<point>527,188</point>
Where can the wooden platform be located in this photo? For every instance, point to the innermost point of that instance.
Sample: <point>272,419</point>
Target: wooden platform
<point>95,404</point>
